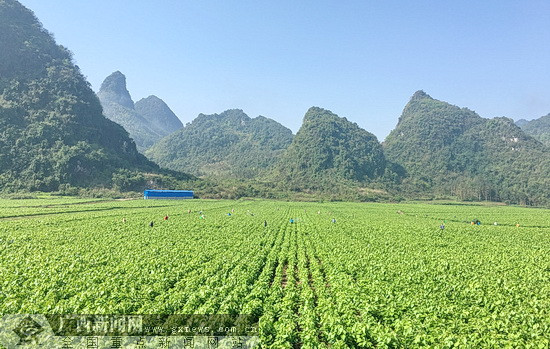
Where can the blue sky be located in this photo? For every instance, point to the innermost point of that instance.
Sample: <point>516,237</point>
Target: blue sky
<point>360,59</point>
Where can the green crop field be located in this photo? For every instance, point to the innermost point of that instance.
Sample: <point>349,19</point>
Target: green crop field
<point>381,275</point>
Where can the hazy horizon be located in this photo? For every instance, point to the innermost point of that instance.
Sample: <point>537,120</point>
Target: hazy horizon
<point>360,60</point>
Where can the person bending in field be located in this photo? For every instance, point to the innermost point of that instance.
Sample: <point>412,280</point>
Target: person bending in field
<point>151,224</point>
<point>265,224</point>
<point>165,218</point>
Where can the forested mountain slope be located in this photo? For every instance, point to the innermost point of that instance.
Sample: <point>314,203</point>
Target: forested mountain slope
<point>538,128</point>
<point>328,149</point>
<point>230,144</point>
<point>454,151</point>
<point>52,130</point>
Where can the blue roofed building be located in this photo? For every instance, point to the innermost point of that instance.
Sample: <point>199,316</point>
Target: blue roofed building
<point>167,194</point>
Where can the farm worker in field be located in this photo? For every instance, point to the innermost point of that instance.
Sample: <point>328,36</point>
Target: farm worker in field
<point>265,223</point>
<point>495,223</point>
<point>188,211</point>
<point>333,220</point>
<point>151,224</point>
<point>232,210</point>
<point>201,216</point>
<point>318,212</point>
<point>517,225</point>
<point>229,214</point>
<point>123,220</point>
<point>291,221</point>
<point>442,226</point>
<point>165,218</point>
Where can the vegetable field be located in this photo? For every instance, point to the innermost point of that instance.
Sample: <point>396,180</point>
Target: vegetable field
<point>342,275</point>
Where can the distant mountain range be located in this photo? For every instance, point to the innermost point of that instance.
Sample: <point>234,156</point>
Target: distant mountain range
<point>147,121</point>
<point>538,128</point>
<point>53,133</point>
<point>230,144</point>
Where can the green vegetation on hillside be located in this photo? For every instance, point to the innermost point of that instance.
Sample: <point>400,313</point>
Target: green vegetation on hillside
<point>454,152</point>
<point>538,128</point>
<point>52,130</point>
<point>226,145</point>
<point>329,149</point>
